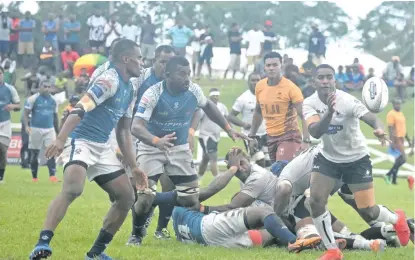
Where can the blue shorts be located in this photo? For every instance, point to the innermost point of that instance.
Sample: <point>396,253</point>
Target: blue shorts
<point>394,152</point>
<point>4,46</point>
<point>187,225</point>
<point>390,83</point>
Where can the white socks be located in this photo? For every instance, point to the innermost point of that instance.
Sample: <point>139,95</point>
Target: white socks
<point>323,225</point>
<point>385,215</point>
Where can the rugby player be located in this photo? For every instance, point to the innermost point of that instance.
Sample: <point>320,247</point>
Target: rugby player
<point>108,102</point>
<point>333,116</point>
<point>245,105</point>
<point>9,101</point>
<point>279,102</point>
<point>44,126</point>
<point>162,125</point>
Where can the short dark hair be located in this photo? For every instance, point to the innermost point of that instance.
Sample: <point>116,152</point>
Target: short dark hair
<point>324,66</point>
<point>175,61</point>
<point>239,149</point>
<point>122,47</point>
<point>253,74</point>
<point>272,55</point>
<point>163,48</point>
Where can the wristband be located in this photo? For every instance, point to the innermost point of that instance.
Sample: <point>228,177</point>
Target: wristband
<point>155,140</point>
<point>206,210</point>
<point>227,127</point>
<point>191,132</point>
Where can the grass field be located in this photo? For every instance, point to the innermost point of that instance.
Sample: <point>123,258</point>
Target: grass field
<point>23,207</point>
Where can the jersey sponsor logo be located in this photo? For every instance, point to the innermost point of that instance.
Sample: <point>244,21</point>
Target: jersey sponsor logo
<point>141,109</point>
<point>334,129</point>
<point>98,92</point>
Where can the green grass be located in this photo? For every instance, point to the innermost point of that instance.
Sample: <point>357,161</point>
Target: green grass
<point>23,206</point>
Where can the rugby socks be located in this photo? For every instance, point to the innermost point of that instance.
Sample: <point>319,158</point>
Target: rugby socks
<point>103,239</point>
<point>163,198</point>
<point>45,237</point>
<point>273,224</point>
<point>385,215</point>
<point>384,232</point>
<point>323,225</point>
<point>395,168</point>
<point>141,223</point>
<point>165,212</point>
<point>2,174</point>
<point>34,165</point>
<point>52,167</point>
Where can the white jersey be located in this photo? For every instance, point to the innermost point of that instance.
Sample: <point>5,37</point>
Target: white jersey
<point>209,129</point>
<point>343,142</point>
<point>245,104</point>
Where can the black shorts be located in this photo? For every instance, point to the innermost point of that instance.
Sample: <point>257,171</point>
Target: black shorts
<point>205,58</point>
<point>209,147</point>
<point>96,44</point>
<point>262,143</point>
<point>356,172</point>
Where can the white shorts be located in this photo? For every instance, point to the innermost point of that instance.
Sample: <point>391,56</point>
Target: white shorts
<point>99,158</point>
<point>40,138</point>
<point>226,229</point>
<point>5,132</point>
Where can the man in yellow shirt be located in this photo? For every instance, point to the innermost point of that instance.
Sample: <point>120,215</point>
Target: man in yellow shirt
<point>397,132</point>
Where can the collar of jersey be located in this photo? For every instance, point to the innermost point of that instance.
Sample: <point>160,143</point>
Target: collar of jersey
<point>118,72</point>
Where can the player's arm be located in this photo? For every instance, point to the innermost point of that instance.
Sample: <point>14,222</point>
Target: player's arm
<point>218,184</point>
<point>233,118</point>
<point>306,135</point>
<point>125,141</point>
<point>240,200</point>
<point>56,122</point>
<point>212,111</point>
<point>256,120</point>
<point>194,124</point>
<point>372,120</point>
<point>317,126</point>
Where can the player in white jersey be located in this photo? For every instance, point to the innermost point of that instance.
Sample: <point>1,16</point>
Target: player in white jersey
<point>334,116</point>
<point>245,105</point>
<point>209,136</point>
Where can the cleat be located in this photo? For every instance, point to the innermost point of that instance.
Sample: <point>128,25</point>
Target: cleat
<point>134,241</point>
<point>164,234</point>
<point>393,242</point>
<point>40,252</point>
<point>401,228</point>
<point>35,179</point>
<point>411,181</point>
<point>377,245</point>
<point>387,179</point>
<point>411,224</point>
<point>53,179</point>
<point>332,254</point>
<point>102,256</point>
<point>304,244</point>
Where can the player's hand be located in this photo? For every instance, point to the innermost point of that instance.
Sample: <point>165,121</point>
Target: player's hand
<point>247,126</point>
<point>166,142</point>
<point>28,130</point>
<point>234,135</point>
<point>381,135</point>
<point>8,107</point>
<point>141,180</point>
<point>234,158</point>
<point>253,145</point>
<point>331,102</point>
<point>55,149</point>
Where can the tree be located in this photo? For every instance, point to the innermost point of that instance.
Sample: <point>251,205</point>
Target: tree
<point>388,30</point>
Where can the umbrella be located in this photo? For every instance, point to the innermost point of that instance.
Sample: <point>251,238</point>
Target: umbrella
<point>88,61</point>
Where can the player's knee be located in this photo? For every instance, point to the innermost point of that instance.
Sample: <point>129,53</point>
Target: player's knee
<point>369,213</point>
<point>144,203</point>
<point>317,204</point>
<point>73,192</point>
<point>284,188</point>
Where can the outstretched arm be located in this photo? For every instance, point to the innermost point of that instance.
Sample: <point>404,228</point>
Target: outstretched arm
<point>240,200</point>
<point>212,111</point>
<point>218,184</point>
<point>256,120</point>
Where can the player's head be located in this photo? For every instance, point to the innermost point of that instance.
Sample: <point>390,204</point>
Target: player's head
<point>397,102</point>
<point>214,94</point>
<point>244,169</point>
<point>127,54</point>
<point>45,87</point>
<point>178,73</point>
<point>324,80</point>
<point>74,100</point>
<point>272,65</point>
<point>253,79</point>
<point>111,47</point>
<point>163,54</point>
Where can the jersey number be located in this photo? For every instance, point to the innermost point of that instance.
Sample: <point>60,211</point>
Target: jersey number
<point>185,233</point>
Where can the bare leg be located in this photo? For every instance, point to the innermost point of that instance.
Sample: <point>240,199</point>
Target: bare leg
<point>203,165</point>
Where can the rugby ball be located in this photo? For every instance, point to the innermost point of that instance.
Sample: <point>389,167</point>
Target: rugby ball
<point>375,94</point>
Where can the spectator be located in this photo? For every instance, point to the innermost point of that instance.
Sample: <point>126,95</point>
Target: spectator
<point>130,30</point>
<point>72,30</point>
<point>206,51</point>
<point>308,67</point>
<point>235,39</point>
<point>112,31</point>
<point>411,78</point>
<point>371,74</point>
<point>14,36</point>
<point>81,83</point>
<point>61,20</point>
<point>269,37</point>
<point>341,78</point>
<point>180,36</point>
<point>147,41</point>
<point>355,79</point>
<point>255,39</point>
<point>68,57</point>
<point>26,45</point>
<point>61,84</point>
<point>357,63</point>
<point>47,56</point>
<point>292,73</point>
<point>31,81</point>
<point>393,70</point>
<point>96,24</point>
<point>9,74</point>
<point>6,24</point>
<point>400,85</point>
<point>94,50</point>
<point>197,32</point>
<point>317,45</point>
<point>102,51</point>
<point>50,29</point>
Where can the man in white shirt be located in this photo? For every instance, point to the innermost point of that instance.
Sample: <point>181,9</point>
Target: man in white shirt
<point>130,31</point>
<point>197,32</point>
<point>96,25</point>
<point>245,105</point>
<point>112,31</point>
<point>209,135</point>
<point>334,116</point>
<point>255,39</point>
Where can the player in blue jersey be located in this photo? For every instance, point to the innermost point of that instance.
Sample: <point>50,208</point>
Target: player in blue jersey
<point>9,101</point>
<point>108,102</point>
<point>43,127</point>
<point>162,125</point>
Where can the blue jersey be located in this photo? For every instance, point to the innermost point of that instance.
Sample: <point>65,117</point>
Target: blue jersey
<point>187,225</point>
<point>114,98</point>
<point>166,114</point>
<point>8,95</point>
<point>43,109</point>
<point>147,79</point>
